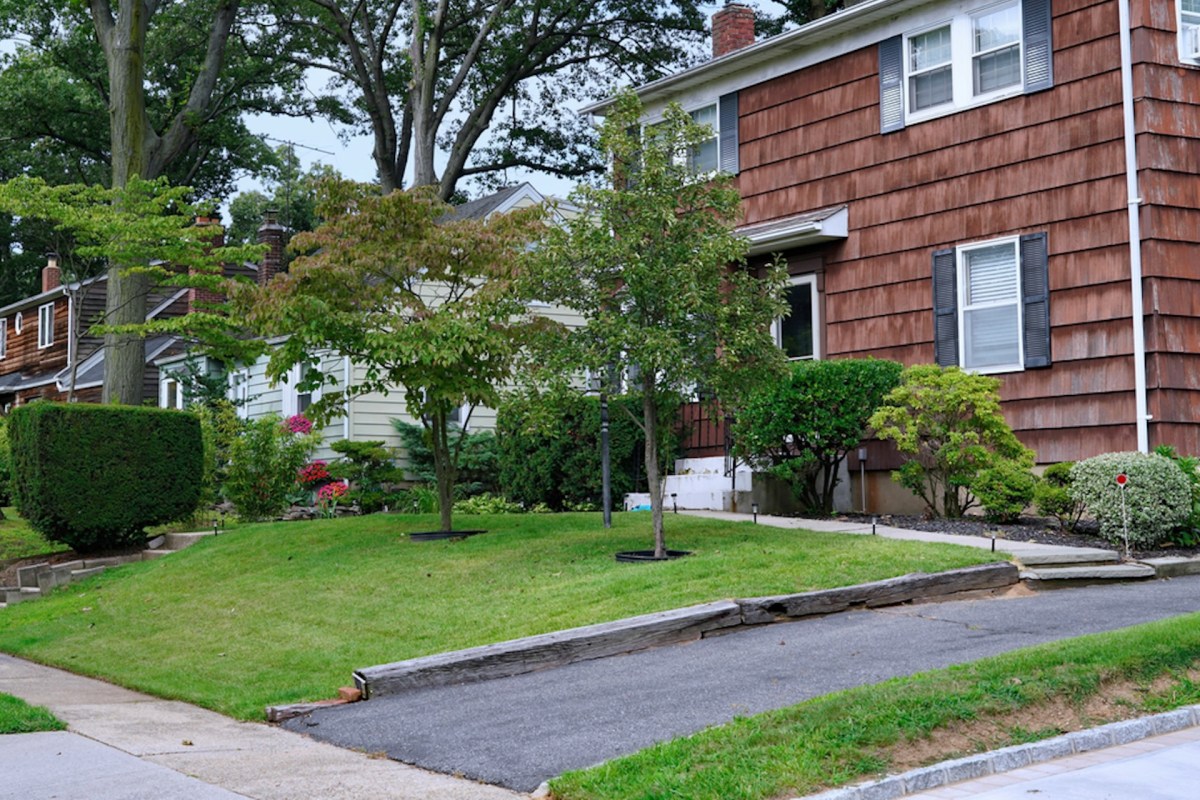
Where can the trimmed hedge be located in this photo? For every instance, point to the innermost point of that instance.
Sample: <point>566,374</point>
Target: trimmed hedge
<point>94,477</point>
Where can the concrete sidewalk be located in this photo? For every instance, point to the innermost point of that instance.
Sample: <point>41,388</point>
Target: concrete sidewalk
<point>1014,548</point>
<point>242,758</point>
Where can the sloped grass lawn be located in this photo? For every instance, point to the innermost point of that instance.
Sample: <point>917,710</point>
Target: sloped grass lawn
<point>17,716</point>
<point>284,612</point>
<point>852,735</point>
<point>18,540</point>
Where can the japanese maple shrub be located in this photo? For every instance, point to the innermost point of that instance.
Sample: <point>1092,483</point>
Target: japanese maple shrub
<point>948,423</point>
<point>94,477</point>
<point>801,427</point>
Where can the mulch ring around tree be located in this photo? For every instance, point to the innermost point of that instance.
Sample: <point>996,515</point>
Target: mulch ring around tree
<point>1026,529</point>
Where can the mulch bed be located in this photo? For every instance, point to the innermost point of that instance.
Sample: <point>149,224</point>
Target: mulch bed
<point>1027,529</point>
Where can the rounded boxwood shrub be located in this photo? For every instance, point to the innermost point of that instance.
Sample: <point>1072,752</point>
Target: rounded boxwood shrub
<point>1158,496</point>
<point>1004,490</point>
<point>94,477</point>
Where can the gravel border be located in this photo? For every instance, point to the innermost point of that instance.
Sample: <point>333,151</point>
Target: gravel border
<point>996,762</point>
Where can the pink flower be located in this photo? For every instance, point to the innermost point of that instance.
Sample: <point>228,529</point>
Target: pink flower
<point>332,492</point>
<point>298,424</point>
<point>314,472</point>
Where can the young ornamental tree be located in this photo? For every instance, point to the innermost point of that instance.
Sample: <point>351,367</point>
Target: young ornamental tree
<point>948,422</point>
<point>654,267</point>
<point>801,427</point>
<point>426,302</point>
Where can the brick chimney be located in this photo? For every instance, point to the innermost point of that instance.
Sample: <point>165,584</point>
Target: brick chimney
<point>732,29</point>
<point>51,273</point>
<point>270,233</point>
<point>199,299</point>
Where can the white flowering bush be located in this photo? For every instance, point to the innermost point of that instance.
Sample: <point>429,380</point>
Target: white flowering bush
<point>1158,497</point>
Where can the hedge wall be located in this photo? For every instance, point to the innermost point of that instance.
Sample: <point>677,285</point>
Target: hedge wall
<point>96,476</point>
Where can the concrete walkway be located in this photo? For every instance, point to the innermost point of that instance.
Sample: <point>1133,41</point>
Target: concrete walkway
<point>142,746</point>
<point>1014,548</point>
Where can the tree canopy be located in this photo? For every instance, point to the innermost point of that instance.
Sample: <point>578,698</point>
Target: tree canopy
<point>489,83</point>
<point>654,267</point>
<point>425,301</point>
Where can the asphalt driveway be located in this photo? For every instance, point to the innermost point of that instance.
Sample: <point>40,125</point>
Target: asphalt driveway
<point>520,731</point>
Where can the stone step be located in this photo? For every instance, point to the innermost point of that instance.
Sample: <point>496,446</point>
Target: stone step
<point>1104,572</point>
<point>150,555</point>
<point>1075,556</point>
<point>80,574</point>
<point>178,541</point>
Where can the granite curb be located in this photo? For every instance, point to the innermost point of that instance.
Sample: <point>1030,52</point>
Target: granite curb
<point>1009,758</point>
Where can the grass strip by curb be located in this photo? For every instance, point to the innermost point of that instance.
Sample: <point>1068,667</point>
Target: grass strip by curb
<point>17,716</point>
<point>851,735</point>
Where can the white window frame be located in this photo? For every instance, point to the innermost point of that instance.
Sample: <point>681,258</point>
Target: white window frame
<point>291,396</point>
<point>164,393</point>
<point>1188,26</point>
<point>1019,302</point>
<point>777,323</point>
<point>45,331</point>
<point>962,56</point>
<point>686,158</point>
<point>3,337</point>
<point>239,392</point>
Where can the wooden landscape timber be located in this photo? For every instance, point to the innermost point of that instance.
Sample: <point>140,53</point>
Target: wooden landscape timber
<point>548,650</point>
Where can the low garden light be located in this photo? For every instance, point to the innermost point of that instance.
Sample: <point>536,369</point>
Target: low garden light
<point>754,511</point>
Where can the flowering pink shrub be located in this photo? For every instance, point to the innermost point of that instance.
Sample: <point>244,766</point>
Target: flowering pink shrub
<point>332,491</point>
<point>299,424</point>
<point>328,496</point>
<point>312,473</point>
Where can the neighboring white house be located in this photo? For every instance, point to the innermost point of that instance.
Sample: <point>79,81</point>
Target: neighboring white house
<point>367,417</point>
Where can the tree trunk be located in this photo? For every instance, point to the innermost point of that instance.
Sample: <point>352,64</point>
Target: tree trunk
<point>443,467</point>
<point>653,478</point>
<point>424,64</point>
<point>125,354</point>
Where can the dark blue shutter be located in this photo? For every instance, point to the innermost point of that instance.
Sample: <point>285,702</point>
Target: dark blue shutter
<point>945,308</point>
<point>891,84</point>
<point>1039,49</point>
<point>727,119</point>
<point>1035,294</point>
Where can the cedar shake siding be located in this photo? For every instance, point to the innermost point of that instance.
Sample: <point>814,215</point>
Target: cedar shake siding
<point>1050,162</point>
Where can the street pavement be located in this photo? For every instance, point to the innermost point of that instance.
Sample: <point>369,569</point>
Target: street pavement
<point>520,731</point>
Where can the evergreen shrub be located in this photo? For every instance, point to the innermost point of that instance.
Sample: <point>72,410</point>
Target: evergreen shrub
<point>1157,496</point>
<point>94,477</point>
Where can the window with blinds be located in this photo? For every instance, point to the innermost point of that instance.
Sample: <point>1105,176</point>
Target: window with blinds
<point>1189,30</point>
<point>990,306</point>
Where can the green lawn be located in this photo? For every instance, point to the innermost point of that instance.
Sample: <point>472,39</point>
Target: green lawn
<point>17,716</point>
<point>18,540</point>
<point>852,735</point>
<point>284,612</point>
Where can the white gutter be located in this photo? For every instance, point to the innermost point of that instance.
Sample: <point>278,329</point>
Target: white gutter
<point>1135,231</point>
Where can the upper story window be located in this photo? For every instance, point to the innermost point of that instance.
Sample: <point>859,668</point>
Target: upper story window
<point>975,56</point>
<point>1189,30</point>
<point>45,325</point>
<point>798,333</point>
<point>19,323</point>
<point>968,59</point>
<point>171,394</point>
<point>3,337</point>
<point>705,156</point>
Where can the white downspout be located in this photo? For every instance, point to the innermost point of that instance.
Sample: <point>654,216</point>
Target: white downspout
<point>1135,230</point>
